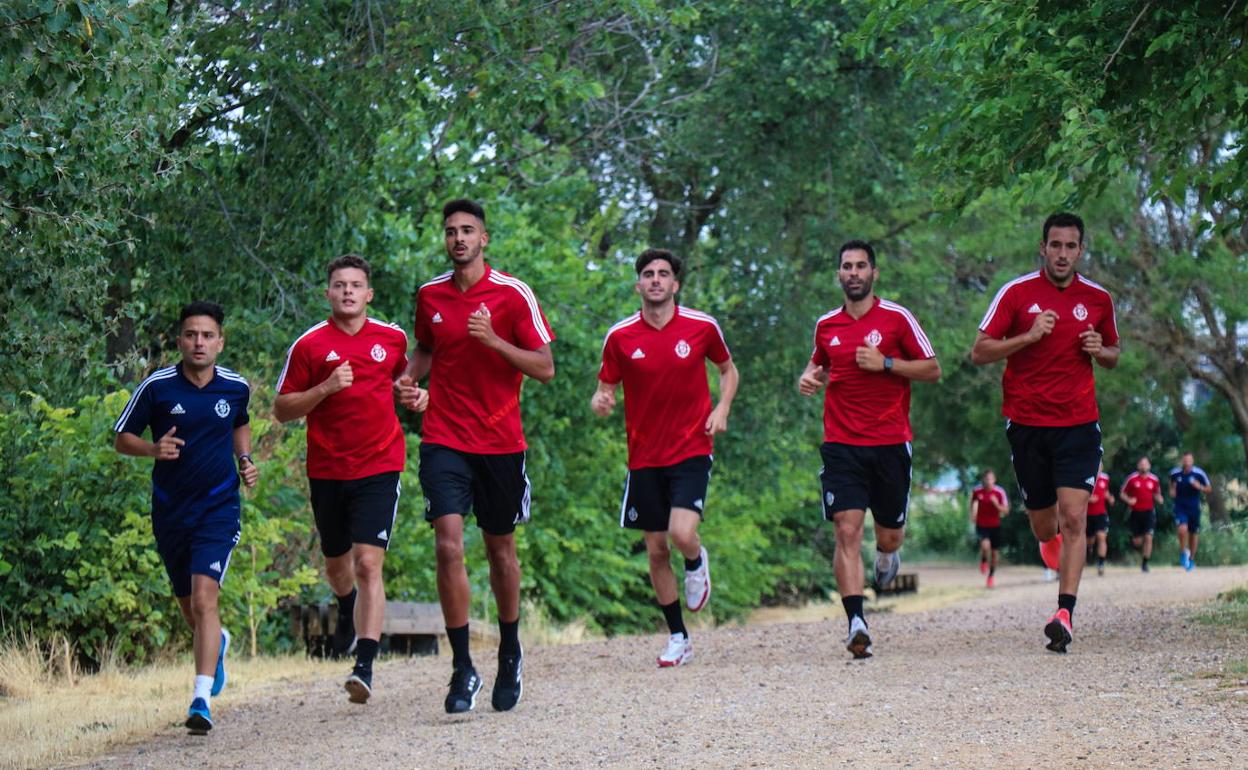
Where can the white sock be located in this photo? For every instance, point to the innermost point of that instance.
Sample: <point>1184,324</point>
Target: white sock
<point>203,687</point>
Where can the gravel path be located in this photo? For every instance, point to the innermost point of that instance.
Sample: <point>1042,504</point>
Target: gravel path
<point>966,686</point>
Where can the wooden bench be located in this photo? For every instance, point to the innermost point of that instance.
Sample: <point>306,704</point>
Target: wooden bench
<point>904,583</point>
<point>409,628</point>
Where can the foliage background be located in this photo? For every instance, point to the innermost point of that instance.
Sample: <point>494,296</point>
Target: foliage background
<point>157,152</point>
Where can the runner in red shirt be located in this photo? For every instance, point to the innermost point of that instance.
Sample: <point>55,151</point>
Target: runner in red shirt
<point>478,332</point>
<point>1098,518</point>
<point>338,374</point>
<point>866,353</point>
<point>659,355</point>
<point>1141,491</point>
<point>1051,325</point>
<point>988,504</point>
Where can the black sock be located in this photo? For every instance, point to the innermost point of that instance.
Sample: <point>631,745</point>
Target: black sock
<point>1145,558</point>
<point>458,638</point>
<point>992,570</point>
<point>671,613</point>
<point>509,637</point>
<point>694,563</point>
<point>346,606</point>
<point>853,607</point>
<point>365,652</point>
<point>1067,602</point>
<point>1100,561</point>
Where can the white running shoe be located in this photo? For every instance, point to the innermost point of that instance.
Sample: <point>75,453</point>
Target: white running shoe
<point>859,641</point>
<point>886,567</point>
<point>1049,575</point>
<point>698,584</point>
<point>679,651</point>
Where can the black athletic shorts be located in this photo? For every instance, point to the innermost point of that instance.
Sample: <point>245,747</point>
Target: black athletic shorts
<point>355,511</point>
<point>991,534</point>
<point>1142,522</point>
<point>493,487</point>
<point>1051,457</point>
<point>862,477</point>
<point>650,494</point>
<point>1097,522</point>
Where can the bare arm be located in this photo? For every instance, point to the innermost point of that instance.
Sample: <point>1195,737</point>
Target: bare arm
<point>870,359</point>
<point>292,406</point>
<point>242,449</point>
<point>974,509</point>
<point>538,364</point>
<point>988,350</point>
<point>603,400</point>
<point>406,391</point>
<point>813,379</point>
<point>167,447</point>
<point>729,378</point>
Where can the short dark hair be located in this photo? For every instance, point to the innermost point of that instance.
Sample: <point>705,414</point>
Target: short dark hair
<point>857,245</point>
<point>1062,219</point>
<point>650,255</point>
<point>465,205</point>
<point>984,473</point>
<point>210,309</point>
<point>345,261</point>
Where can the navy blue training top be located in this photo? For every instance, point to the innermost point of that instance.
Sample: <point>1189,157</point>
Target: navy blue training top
<point>1186,495</point>
<point>204,476</point>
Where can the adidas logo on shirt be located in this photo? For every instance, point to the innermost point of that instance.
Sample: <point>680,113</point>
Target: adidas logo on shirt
<point>333,356</point>
<point>638,354</point>
<point>437,318</point>
<point>177,409</point>
<point>1034,308</point>
<point>382,535</point>
<point>215,566</point>
<point>835,341</point>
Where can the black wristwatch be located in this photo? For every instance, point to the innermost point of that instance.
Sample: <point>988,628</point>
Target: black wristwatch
<point>888,363</point>
<point>246,457</point>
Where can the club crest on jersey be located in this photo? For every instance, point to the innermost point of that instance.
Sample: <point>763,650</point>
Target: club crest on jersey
<point>222,408</point>
<point>683,349</point>
<point>1081,312</point>
<point>378,353</point>
<point>874,338</point>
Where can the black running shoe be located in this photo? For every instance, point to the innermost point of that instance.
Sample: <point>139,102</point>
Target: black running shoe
<point>465,684</point>
<point>342,643</point>
<point>1059,631</point>
<point>507,685</point>
<point>359,685</point>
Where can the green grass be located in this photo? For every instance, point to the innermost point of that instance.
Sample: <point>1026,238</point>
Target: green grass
<point>1229,610</point>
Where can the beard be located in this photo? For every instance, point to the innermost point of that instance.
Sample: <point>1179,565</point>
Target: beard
<point>853,294</point>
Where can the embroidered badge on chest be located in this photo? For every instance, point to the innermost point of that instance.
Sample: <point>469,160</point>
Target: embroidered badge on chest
<point>1081,312</point>
<point>682,349</point>
<point>378,353</point>
<point>222,408</point>
<point>874,338</point>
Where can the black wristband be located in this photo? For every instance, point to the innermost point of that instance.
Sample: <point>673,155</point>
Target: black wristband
<point>246,457</point>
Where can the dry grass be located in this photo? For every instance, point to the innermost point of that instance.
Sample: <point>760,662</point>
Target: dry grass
<point>52,715</point>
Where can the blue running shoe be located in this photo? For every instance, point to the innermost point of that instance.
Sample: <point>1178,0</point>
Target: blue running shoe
<point>198,718</point>
<point>218,677</point>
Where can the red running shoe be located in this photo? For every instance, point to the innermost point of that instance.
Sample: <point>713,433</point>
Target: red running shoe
<point>992,582</point>
<point>1059,632</point>
<point>983,567</point>
<point>1051,552</point>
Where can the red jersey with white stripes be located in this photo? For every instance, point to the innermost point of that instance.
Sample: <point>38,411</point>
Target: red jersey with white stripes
<point>1050,383</point>
<point>355,432</point>
<point>1098,502</point>
<point>474,394</point>
<point>987,514</point>
<point>1143,487</point>
<point>666,396</point>
<point>860,407</point>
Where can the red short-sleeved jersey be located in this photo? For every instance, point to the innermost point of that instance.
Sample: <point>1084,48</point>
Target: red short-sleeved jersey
<point>666,396</point>
<point>355,432</point>
<point>1050,383</point>
<point>474,394</point>
<point>1143,487</point>
<point>1098,502</point>
<point>986,515</point>
<point>860,407</point>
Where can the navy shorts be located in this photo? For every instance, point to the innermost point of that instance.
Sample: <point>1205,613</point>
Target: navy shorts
<point>1046,458</point>
<point>199,547</point>
<point>495,488</point>
<point>650,494</point>
<point>862,477</point>
<point>355,511</point>
<point>1188,516</point>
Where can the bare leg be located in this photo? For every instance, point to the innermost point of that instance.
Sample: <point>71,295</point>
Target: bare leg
<point>661,575</point>
<point>683,530</point>
<point>500,550</point>
<point>847,561</point>
<point>453,590</point>
<point>370,603</point>
<point>207,623</point>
